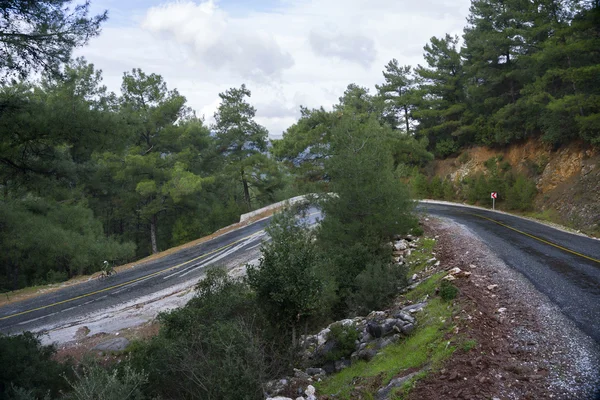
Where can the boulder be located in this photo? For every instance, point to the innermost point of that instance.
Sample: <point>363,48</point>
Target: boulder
<point>115,344</point>
<point>366,354</point>
<point>315,371</point>
<point>400,245</point>
<point>414,308</point>
<point>390,340</point>
<point>405,317</point>
<point>275,387</point>
<point>342,364</point>
<point>407,329</point>
<point>310,393</point>
<point>384,393</point>
<point>301,375</point>
<point>322,336</point>
<point>374,329</point>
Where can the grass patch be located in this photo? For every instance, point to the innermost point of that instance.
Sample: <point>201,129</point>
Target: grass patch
<point>417,261</point>
<point>427,287</point>
<point>427,346</point>
<point>469,344</point>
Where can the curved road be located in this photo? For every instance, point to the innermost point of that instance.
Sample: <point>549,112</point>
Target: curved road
<point>77,301</point>
<point>564,266</point>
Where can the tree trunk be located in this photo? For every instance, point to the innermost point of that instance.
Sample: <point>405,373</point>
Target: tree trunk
<point>293,336</point>
<point>406,118</point>
<point>153,234</point>
<point>246,190</point>
<point>15,276</point>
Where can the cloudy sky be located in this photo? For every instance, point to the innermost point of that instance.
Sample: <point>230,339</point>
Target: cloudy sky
<point>289,53</point>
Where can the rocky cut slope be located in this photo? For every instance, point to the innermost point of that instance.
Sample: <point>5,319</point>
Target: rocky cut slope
<point>567,179</point>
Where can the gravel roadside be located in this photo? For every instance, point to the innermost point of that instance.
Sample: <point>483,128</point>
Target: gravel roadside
<point>524,346</point>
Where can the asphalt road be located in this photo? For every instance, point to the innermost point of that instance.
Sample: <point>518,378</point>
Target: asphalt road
<point>563,266</point>
<point>73,302</point>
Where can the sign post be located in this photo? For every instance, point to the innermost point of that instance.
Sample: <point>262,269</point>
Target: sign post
<point>494,196</point>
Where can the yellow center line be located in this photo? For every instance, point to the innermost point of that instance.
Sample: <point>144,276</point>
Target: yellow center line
<point>134,280</point>
<point>537,238</point>
<point>128,282</point>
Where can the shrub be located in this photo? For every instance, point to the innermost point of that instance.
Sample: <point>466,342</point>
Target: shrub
<point>445,148</point>
<point>218,346</point>
<point>345,337</point>
<point>521,194</point>
<point>28,367</point>
<point>448,291</point>
<point>376,286</point>
<point>464,158</point>
<point>287,286</point>
<point>96,382</point>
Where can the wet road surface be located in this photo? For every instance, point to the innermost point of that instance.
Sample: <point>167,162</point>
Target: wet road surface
<point>563,266</point>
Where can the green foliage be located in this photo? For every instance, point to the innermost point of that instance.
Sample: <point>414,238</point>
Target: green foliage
<point>40,36</point>
<point>469,344</point>
<point>376,286</point>
<point>398,95</point>
<point>344,337</point>
<point>285,279</point>
<point>217,346</point>
<point>520,195</point>
<point>96,382</point>
<point>419,186</point>
<point>29,369</point>
<point>49,242</point>
<point>464,157</point>
<point>242,141</point>
<point>445,148</point>
<point>370,204</point>
<point>448,291</point>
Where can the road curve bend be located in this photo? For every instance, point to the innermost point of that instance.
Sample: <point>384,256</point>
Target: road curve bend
<point>562,265</point>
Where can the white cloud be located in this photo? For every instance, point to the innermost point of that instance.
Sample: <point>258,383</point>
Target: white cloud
<point>300,53</point>
<point>219,41</point>
<point>349,47</point>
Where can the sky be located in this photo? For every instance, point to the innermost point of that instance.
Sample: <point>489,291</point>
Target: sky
<point>288,53</point>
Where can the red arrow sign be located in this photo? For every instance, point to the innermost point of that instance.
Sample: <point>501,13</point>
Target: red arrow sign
<point>494,195</point>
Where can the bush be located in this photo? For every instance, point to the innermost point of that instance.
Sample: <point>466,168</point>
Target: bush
<point>287,286</point>
<point>448,291</point>
<point>96,382</point>
<point>218,346</point>
<point>521,194</point>
<point>376,286</point>
<point>445,148</point>
<point>28,367</point>
<point>344,337</point>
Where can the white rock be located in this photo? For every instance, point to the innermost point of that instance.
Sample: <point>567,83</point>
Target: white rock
<point>401,245</point>
<point>310,393</point>
<point>492,287</point>
<point>454,271</point>
<point>501,310</point>
<point>322,336</point>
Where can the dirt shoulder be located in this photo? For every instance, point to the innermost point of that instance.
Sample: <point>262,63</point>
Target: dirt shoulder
<point>523,347</point>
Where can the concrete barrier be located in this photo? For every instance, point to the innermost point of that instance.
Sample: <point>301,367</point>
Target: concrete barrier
<point>274,206</point>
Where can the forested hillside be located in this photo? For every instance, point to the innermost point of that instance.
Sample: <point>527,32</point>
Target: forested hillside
<point>88,175</point>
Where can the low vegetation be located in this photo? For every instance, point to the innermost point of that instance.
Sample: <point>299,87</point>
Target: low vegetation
<point>516,191</point>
